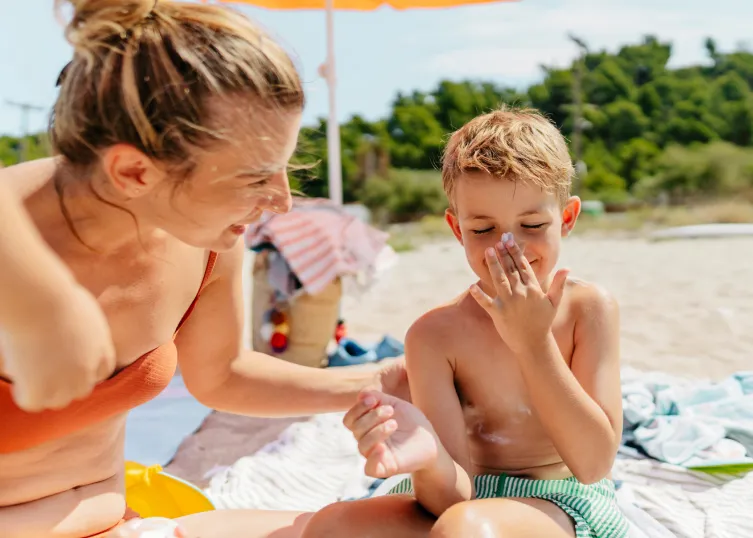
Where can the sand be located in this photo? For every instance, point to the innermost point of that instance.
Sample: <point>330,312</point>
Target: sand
<point>686,306</point>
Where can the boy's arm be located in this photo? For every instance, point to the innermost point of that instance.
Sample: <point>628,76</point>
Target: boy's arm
<point>432,384</point>
<point>581,407</point>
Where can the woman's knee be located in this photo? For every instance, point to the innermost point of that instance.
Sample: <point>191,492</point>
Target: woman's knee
<point>390,516</point>
<point>332,520</point>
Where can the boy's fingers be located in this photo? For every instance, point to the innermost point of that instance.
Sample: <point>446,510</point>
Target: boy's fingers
<point>524,268</point>
<point>557,288</point>
<point>366,402</point>
<point>501,284</point>
<point>381,463</point>
<point>372,419</point>
<point>483,300</point>
<point>377,435</point>
<point>511,272</point>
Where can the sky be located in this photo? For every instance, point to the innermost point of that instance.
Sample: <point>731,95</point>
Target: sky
<point>382,52</point>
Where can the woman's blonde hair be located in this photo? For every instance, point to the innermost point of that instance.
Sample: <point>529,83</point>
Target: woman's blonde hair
<point>144,72</point>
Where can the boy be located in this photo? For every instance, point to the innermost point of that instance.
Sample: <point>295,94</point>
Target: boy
<point>518,377</point>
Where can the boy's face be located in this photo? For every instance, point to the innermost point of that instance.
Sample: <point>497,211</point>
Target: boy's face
<point>486,207</point>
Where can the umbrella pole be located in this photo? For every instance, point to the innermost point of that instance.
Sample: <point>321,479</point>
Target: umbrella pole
<point>333,128</point>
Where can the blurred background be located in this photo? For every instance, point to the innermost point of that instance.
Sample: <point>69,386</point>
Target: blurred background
<point>655,98</point>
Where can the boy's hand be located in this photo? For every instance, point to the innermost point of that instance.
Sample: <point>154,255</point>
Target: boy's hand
<point>521,311</point>
<point>393,435</point>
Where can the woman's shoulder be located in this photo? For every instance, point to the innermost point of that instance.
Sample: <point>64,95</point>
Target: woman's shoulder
<point>26,178</point>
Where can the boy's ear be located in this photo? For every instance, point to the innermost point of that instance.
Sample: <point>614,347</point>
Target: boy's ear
<point>452,221</point>
<point>570,215</point>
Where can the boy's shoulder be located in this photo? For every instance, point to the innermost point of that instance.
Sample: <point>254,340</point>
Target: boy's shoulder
<point>438,327</point>
<point>589,300</point>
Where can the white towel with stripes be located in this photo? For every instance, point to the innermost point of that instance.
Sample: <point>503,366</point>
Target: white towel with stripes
<point>688,504</point>
<point>312,464</point>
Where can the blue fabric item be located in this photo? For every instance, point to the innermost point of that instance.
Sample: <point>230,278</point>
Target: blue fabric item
<point>155,430</point>
<point>676,439</point>
<point>389,347</point>
<point>689,422</point>
<point>351,353</point>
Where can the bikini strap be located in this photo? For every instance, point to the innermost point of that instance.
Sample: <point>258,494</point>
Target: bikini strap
<point>207,274</point>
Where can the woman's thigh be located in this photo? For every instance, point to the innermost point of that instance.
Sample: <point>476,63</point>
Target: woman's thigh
<point>245,524</point>
<point>391,516</point>
<point>504,518</point>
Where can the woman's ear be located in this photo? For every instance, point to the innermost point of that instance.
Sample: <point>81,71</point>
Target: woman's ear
<point>130,172</point>
<point>570,215</point>
<point>452,222</point>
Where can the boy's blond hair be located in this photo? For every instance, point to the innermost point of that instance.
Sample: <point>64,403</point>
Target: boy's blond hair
<point>513,144</point>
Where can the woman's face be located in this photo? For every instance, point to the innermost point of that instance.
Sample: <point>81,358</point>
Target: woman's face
<point>231,184</point>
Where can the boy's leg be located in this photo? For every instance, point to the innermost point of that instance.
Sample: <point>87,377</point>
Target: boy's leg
<point>504,518</point>
<point>390,516</point>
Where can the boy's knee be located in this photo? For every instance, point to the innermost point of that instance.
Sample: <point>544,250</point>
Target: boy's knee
<point>463,520</point>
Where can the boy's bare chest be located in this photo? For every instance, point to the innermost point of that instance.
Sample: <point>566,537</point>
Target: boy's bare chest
<point>504,431</point>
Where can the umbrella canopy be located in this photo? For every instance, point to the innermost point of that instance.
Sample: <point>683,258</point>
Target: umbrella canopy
<point>356,5</point>
<point>328,69</point>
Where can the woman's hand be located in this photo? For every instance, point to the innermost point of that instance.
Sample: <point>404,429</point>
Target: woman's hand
<point>392,378</point>
<point>392,434</point>
<point>60,352</point>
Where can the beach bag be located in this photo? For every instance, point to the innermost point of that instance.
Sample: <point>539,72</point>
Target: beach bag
<point>310,320</point>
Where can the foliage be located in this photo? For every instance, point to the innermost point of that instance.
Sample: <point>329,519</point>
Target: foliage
<point>404,195</point>
<point>648,130</point>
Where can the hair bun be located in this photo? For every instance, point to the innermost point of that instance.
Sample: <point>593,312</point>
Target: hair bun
<point>95,21</point>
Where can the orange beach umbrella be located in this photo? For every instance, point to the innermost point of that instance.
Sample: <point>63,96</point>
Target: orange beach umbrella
<point>328,69</point>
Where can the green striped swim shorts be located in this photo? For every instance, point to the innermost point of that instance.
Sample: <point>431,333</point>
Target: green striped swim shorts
<point>592,507</point>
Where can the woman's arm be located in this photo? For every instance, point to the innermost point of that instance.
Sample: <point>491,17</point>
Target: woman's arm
<point>54,339</point>
<point>223,375</point>
<point>31,275</point>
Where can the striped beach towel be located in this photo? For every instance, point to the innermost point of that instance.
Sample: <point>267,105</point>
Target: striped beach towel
<point>320,242</point>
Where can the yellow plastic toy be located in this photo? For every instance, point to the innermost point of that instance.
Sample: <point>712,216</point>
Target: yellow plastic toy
<point>150,492</point>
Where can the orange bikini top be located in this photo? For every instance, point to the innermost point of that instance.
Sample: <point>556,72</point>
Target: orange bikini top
<point>134,385</point>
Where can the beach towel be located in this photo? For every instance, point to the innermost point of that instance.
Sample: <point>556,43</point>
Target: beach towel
<point>318,242</point>
<point>660,498</point>
<point>312,464</point>
<point>693,423</point>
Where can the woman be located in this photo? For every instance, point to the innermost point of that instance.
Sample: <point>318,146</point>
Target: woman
<point>173,130</point>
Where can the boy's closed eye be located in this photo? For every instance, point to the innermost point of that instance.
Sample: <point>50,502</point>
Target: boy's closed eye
<point>525,226</point>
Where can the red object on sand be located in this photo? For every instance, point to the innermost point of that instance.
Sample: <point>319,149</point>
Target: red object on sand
<point>279,342</point>
<point>277,317</point>
<point>340,332</point>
